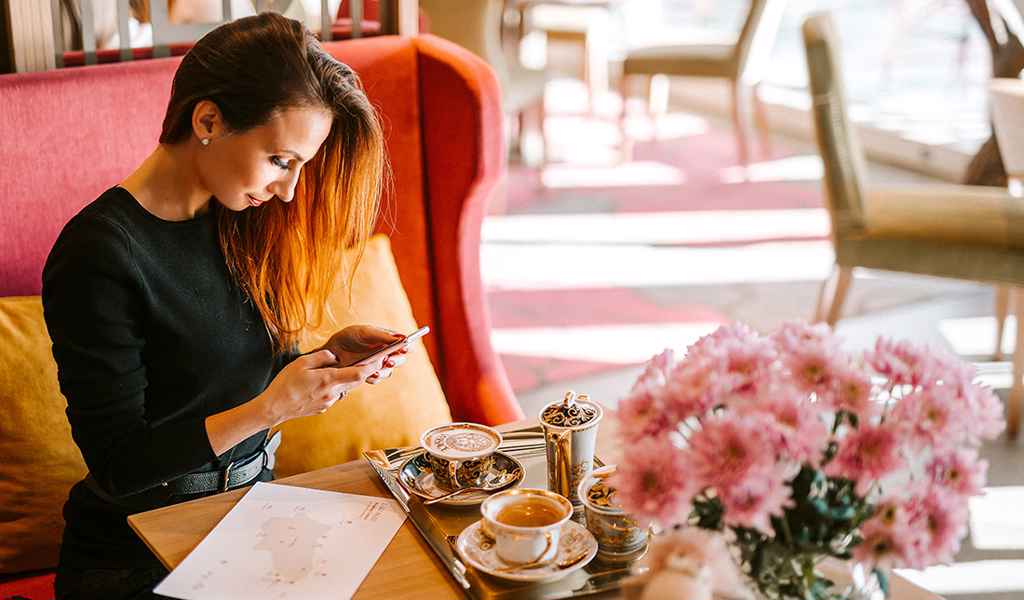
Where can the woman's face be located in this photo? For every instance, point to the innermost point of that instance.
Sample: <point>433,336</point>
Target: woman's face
<point>244,170</point>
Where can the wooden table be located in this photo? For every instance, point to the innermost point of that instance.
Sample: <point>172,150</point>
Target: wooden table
<point>407,570</point>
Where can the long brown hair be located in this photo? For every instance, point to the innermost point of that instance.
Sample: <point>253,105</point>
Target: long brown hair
<point>287,257</point>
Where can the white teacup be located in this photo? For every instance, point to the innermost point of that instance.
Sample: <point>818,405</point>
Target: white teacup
<point>525,523</point>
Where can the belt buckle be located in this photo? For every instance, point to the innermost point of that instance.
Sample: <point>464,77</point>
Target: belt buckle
<point>227,477</point>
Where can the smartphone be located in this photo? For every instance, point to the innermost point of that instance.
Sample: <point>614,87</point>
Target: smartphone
<point>412,337</point>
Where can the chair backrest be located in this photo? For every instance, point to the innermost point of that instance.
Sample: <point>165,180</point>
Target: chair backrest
<point>838,145</point>
<point>1007,97</point>
<point>473,24</point>
<point>169,39</point>
<point>757,36</point>
<point>441,113</point>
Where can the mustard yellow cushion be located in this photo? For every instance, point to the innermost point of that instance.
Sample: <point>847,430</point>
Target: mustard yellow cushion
<point>392,413</point>
<point>39,462</point>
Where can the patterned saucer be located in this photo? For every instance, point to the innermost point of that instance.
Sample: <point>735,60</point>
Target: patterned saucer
<point>478,550</point>
<point>416,477</point>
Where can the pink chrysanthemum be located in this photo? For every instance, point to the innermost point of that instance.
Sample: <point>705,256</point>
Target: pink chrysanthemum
<point>746,411</point>
<point>656,370</point>
<point>642,413</point>
<point>937,523</point>
<point>932,416</point>
<point>959,471</point>
<point>793,336</point>
<point>694,387</point>
<point>890,512</point>
<point>956,372</point>
<point>797,429</point>
<point>794,424</point>
<point>732,332</point>
<point>812,355</point>
<point>747,363</point>
<point>653,483</point>
<point>852,392</point>
<point>866,455</point>
<point>884,545</point>
<point>739,358</point>
<point>903,363</point>
<point>812,368</point>
<point>985,420</point>
<point>752,501</point>
<point>727,448</point>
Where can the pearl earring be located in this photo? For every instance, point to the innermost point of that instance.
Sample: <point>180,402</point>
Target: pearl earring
<point>205,141</point>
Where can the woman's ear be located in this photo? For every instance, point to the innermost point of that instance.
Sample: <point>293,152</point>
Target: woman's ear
<point>207,123</point>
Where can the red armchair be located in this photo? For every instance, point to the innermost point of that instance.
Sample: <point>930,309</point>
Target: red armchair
<point>67,135</point>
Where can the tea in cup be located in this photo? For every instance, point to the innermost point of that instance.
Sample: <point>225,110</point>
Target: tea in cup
<point>526,523</point>
<point>460,454</point>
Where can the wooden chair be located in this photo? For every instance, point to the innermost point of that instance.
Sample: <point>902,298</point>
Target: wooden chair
<point>945,230</point>
<point>741,63</point>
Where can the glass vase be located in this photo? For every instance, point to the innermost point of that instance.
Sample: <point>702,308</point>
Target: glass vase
<point>867,584</point>
<point>859,583</point>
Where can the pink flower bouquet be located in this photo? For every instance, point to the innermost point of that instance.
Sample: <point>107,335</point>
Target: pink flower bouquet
<point>799,450</point>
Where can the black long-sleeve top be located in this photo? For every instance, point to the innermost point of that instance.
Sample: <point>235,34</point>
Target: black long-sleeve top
<point>150,335</point>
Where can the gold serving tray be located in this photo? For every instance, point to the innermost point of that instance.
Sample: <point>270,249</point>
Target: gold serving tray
<point>441,525</point>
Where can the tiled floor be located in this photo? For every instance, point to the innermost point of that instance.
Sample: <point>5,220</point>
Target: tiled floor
<point>590,270</point>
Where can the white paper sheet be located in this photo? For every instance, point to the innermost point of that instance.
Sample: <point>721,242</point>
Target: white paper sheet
<point>283,542</point>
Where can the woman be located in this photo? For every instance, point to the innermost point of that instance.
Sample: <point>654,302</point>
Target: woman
<point>175,300</point>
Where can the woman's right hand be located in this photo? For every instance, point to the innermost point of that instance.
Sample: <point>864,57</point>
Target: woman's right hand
<point>311,384</point>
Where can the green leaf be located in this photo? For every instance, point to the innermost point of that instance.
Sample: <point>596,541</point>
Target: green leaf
<point>883,580</point>
<point>842,513</point>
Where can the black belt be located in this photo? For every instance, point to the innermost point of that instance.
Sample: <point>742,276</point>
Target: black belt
<point>236,474</point>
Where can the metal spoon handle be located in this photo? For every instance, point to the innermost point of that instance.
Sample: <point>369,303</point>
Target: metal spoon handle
<point>455,493</point>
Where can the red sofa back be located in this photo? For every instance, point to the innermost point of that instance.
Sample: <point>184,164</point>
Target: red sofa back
<point>67,135</point>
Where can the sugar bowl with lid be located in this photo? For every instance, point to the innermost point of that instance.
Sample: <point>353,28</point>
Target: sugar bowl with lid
<point>570,438</point>
<point>620,537</point>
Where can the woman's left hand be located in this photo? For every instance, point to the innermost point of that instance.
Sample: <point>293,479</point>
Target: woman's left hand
<point>356,342</point>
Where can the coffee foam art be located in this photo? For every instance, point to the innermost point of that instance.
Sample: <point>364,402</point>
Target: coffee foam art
<point>461,442</point>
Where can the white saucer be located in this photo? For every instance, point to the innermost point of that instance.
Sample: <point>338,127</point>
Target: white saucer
<point>478,550</point>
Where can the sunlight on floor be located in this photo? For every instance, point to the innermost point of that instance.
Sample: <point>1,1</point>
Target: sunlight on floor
<point>975,577</point>
<point>684,227</point>
<point>793,168</point>
<point>997,522</point>
<point>622,344</point>
<point>670,126</point>
<point>633,174</point>
<point>569,266</point>
<point>976,336</point>
<point>574,133</point>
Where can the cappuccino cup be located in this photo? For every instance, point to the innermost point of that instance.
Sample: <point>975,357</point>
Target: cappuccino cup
<point>460,454</point>
<point>526,524</point>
